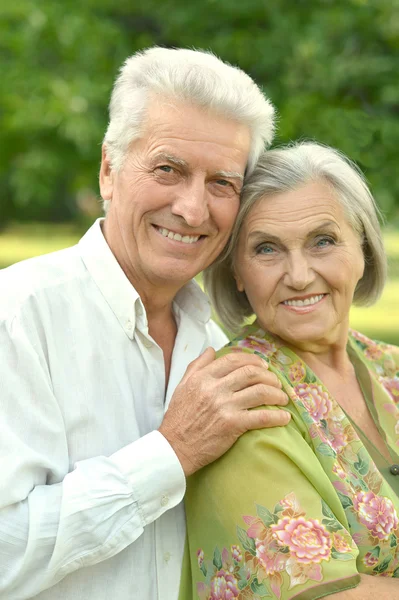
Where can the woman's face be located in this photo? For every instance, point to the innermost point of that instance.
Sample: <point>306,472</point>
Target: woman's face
<point>298,261</point>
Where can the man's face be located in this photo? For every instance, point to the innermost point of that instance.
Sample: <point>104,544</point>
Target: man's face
<point>175,200</point>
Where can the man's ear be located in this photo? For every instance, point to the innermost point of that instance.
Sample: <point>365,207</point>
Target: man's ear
<point>106,176</point>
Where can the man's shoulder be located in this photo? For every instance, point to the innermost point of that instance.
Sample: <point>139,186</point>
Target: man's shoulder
<point>217,336</point>
<point>38,276</point>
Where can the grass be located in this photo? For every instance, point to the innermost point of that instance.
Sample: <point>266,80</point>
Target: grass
<point>381,321</point>
<point>20,241</point>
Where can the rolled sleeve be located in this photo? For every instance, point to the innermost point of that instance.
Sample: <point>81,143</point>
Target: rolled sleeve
<point>167,485</point>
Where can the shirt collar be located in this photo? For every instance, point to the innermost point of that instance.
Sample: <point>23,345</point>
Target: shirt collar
<point>120,294</point>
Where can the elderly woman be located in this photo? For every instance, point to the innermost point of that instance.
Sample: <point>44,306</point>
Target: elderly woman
<point>311,509</point>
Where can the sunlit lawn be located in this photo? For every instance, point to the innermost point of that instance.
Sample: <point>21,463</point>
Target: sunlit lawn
<point>380,321</point>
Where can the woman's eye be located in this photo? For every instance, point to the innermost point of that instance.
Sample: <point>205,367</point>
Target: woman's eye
<point>324,242</point>
<point>264,250</point>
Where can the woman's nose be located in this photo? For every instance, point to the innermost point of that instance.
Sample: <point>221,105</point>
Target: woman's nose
<point>299,273</point>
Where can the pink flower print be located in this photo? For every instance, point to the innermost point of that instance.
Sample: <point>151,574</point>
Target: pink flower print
<point>308,541</point>
<point>236,553</point>
<point>282,358</point>
<point>340,543</point>
<point>373,352</point>
<point>389,367</point>
<point>300,573</point>
<point>338,437</point>
<point>256,527</point>
<point>391,384</point>
<point>297,372</point>
<point>315,399</point>
<point>270,558</point>
<point>338,470</point>
<point>377,513</point>
<point>362,338</point>
<point>224,586</point>
<point>291,507</point>
<point>370,560</point>
<point>202,591</point>
<point>259,344</point>
<point>200,557</point>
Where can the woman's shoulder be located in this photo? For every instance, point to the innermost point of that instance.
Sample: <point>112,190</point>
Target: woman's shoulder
<point>253,340</point>
<point>375,351</point>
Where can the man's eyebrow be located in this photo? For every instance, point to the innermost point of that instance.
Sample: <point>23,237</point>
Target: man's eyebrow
<point>229,175</point>
<point>176,160</point>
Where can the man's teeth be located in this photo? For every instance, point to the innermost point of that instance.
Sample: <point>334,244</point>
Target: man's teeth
<point>187,239</point>
<point>305,302</point>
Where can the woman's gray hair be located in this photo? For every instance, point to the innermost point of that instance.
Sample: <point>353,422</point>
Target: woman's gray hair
<point>197,77</point>
<point>286,169</point>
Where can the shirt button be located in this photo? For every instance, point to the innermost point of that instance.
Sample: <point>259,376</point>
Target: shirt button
<point>147,343</point>
<point>394,469</point>
<point>164,500</point>
<point>167,556</point>
<point>129,325</point>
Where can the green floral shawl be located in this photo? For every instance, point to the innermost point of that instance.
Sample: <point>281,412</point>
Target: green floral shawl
<point>299,511</point>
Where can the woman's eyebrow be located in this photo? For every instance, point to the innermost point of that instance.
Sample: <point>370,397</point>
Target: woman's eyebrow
<point>321,228</point>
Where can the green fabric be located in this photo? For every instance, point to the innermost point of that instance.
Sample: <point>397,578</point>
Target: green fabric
<point>299,511</point>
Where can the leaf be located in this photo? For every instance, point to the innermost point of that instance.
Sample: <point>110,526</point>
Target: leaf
<point>327,512</point>
<point>305,416</point>
<point>363,463</point>
<point>345,500</point>
<point>278,508</point>
<point>376,552</point>
<point>265,515</point>
<point>203,569</point>
<point>342,555</point>
<point>326,450</point>
<point>259,588</point>
<point>394,541</point>
<point>246,542</point>
<point>217,558</point>
<point>383,566</point>
<point>332,524</point>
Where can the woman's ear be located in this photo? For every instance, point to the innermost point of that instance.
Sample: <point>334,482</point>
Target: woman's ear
<point>239,283</point>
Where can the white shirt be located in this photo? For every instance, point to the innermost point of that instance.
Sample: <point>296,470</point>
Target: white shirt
<point>90,493</point>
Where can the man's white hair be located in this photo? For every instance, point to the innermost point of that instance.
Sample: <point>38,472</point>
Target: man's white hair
<point>194,76</point>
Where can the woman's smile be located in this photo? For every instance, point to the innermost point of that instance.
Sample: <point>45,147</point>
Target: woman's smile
<point>304,304</point>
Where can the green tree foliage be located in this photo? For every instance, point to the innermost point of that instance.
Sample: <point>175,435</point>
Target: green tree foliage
<point>329,66</point>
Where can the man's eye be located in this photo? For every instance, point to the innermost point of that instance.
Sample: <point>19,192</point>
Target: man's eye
<point>223,182</point>
<point>166,168</point>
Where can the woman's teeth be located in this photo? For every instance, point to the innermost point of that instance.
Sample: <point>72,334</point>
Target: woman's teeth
<point>305,302</point>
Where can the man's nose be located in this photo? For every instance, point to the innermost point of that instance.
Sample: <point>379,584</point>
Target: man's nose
<point>299,272</point>
<point>192,203</point>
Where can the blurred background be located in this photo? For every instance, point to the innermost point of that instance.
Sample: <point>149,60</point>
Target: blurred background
<point>329,66</point>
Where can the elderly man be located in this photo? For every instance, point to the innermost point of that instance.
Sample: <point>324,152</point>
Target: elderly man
<point>110,391</point>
